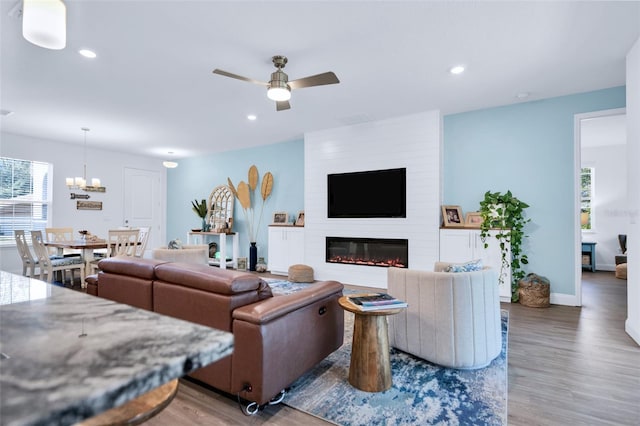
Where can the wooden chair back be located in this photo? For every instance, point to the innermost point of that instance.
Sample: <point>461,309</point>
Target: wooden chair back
<point>143,237</point>
<point>59,234</point>
<point>122,242</point>
<point>29,263</point>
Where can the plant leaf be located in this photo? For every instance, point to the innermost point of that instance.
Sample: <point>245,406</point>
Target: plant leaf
<point>267,186</point>
<point>232,188</point>
<point>253,177</point>
<point>243,195</point>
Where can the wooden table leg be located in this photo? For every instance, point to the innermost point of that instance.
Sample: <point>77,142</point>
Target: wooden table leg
<point>370,368</point>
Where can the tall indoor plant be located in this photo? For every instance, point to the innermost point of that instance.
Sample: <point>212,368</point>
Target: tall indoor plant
<point>245,193</point>
<point>504,213</point>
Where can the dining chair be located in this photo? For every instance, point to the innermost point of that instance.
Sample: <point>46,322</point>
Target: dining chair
<point>29,263</point>
<point>58,235</point>
<point>48,265</point>
<point>143,237</point>
<point>120,242</point>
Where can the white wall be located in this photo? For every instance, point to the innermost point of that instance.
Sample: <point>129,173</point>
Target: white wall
<point>68,160</point>
<point>411,141</point>
<point>632,325</point>
<point>610,202</point>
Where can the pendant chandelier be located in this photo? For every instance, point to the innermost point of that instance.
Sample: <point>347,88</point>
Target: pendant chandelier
<point>81,182</point>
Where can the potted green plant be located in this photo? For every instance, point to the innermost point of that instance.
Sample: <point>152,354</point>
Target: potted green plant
<point>504,213</point>
<point>200,208</point>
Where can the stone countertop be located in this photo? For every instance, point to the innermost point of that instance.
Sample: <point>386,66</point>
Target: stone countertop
<point>67,356</point>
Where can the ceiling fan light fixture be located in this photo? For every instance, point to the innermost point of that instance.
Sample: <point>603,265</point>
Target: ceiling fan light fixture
<point>44,23</point>
<point>279,94</point>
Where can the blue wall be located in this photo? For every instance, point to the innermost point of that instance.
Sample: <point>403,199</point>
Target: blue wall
<point>527,148</point>
<point>196,178</point>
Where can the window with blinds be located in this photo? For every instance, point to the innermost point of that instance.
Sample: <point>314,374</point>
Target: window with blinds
<point>25,197</point>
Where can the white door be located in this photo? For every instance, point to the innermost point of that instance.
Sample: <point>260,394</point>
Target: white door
<point>142,204</point>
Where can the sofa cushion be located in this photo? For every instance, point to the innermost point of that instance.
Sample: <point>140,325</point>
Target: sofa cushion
<point>125,265</point>
<point>212,279</point>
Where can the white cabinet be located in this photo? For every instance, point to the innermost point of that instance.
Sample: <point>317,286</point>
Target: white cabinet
<point>286,248</point>
<point>463,245</point>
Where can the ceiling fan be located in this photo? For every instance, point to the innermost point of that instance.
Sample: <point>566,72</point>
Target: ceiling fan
<point>279,87</point>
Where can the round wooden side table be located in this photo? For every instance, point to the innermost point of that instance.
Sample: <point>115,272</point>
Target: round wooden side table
<point>370,368</point>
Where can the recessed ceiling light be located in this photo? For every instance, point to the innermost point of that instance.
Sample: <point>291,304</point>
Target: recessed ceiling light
<point>522,95</point>
<point>251,117</point>
<point>458,69</point>
<point>87,53</point>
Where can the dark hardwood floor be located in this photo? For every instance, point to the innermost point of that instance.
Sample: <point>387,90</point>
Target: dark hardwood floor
<point>567,366</point>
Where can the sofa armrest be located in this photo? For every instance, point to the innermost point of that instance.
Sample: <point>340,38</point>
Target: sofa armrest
<point>275,307</point>
<point>278,339</point>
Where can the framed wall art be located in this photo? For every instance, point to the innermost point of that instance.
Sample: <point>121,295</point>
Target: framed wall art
<point>473,220</point>
<point>452,217</point>
<point>242,264</point>
<point>280,218</point>
<point>88,205</point>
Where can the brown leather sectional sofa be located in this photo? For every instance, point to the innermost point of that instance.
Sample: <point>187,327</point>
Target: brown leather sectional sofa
<point>276,338</point>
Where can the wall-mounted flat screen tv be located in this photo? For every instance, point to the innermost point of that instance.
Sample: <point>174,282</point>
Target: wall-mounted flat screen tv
<point>375,193</point>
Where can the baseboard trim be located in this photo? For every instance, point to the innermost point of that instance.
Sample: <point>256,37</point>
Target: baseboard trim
<point>632,332</point>
<point>564,299</point>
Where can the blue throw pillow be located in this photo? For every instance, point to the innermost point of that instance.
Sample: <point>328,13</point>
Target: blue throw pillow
<point>474,265</point>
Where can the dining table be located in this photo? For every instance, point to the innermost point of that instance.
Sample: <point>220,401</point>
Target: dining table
<point>87,246</point>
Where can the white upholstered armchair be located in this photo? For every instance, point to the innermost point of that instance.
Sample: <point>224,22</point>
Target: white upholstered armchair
<point>453,318</point>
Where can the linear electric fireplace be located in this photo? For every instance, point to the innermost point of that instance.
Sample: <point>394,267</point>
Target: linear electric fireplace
<point>368,251</point>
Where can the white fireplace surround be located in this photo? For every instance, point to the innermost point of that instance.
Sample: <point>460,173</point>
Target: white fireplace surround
<point>412,142</point>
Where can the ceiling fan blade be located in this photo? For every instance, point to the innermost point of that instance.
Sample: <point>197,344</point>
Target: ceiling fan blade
<point>282,105</point>
<point>239,77</point>
<point>314,80</point>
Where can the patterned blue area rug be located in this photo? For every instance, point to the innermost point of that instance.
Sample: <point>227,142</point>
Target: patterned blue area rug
<point>422,393</point>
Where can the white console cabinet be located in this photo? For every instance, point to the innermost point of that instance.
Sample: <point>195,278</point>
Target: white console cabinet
<point>463,245</point>
<point>286,248</point>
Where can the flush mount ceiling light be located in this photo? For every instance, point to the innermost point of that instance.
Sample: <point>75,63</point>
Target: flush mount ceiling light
<point>251,117</point>
<point>44,23</point>
<point>170,164</point>
<point>458,69</point>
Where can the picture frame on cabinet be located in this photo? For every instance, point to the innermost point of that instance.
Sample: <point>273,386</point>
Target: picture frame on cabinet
<point>280,218</point>
<point>242,264</point>
<point>473,220</point>
<point>300,219</point>
<point>452,217</point>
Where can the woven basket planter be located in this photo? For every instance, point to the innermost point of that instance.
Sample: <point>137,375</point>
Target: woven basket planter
<point>534,291</point>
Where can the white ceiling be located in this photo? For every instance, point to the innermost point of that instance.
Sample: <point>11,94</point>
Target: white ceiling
<point>151,89</point>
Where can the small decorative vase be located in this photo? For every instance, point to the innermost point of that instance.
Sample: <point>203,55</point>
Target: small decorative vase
<point>253,256</point>
<point>204,225</point>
